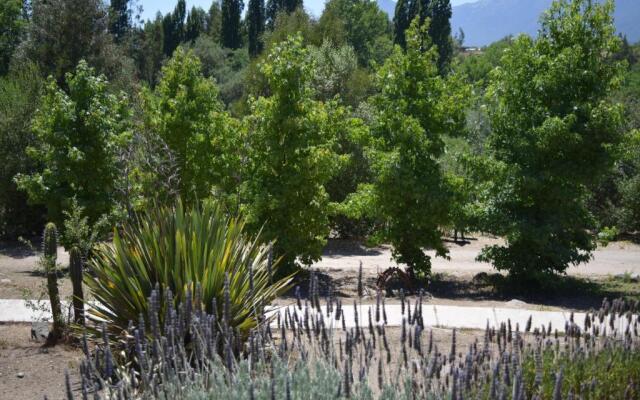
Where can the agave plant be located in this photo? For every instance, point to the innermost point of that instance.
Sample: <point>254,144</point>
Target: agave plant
<point>200,255</point>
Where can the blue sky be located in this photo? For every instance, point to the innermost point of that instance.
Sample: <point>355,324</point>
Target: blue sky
<point>151,7</point>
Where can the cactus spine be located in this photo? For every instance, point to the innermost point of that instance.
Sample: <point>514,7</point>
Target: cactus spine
<point>75,269</point>
<point>50,250</point>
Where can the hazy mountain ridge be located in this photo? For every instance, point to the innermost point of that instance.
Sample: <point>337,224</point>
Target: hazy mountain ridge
<point>486,21</point>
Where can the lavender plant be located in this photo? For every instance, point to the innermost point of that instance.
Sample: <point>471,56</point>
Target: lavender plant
<point>305,354</point>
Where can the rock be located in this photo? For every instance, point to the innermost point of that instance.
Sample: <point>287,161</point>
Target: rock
<point>39,330</point>
<point>516,303</point>
<point>5,281</point>
<point>20,375</point>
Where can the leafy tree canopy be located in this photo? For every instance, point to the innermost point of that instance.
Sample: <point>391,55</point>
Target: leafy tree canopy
<point>184,110</point>
<point>291,157</point>
<point>549,143</point>
<point>78,132</point>
<point>414,110</point>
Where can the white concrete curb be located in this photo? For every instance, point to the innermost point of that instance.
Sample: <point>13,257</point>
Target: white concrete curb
<point>444,316</point>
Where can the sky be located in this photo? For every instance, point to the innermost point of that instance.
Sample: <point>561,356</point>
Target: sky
<point>151,7</point>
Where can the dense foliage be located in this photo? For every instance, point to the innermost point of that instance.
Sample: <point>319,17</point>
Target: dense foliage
<point>77,135</point>
<point>185,112</point>
<point>12,23</point>
<point>439,14</point>
<point>334,133</point>
<point>415,109</point>
<point>203,257</point>
<point>291,156</point>
<point>550,144</point>
<point>255,26</point>
<point>19,98</point>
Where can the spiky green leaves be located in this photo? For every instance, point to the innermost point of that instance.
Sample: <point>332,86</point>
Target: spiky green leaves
<point>184,250</point>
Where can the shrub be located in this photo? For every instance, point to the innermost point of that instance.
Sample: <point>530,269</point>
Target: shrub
<point>199,251</point>
<point>311,360</point>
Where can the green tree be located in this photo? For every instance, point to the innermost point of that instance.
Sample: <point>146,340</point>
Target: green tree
<point>78,133</point>
<point>334,67</point>
<point>288,24</point>
<point>119,19</point>
<point>629,185</point>
<point>62,32</point>
<point>226,66</point>
<point>439,13</point>
<point>549,143</point>
<point>401,21</point>
<point>185,112</point>
<point>196,24</point>
<point>214,21</point>
<point>231,37</point>
<point>255,26</point>
<point>477,66</point>
<point>20,92</point>
<point>360,24</point>
<point>173,28</point>
<point>291,157</point>
<point>414,110</point>
<point>11,26</point>
<point>151,53</point>
<point>275,7</point>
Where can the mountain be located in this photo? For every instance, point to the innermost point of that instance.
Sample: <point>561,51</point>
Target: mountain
<point>486,21</point>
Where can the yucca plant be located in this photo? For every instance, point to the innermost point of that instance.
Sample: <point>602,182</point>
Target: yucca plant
<point>190,253</point>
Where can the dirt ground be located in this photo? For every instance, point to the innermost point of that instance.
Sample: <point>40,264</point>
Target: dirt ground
<point>616,258</point>
<point>27,371</point>
<point>454,283</point>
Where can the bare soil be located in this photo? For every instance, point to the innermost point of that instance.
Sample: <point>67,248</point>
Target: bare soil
<point>29,371</point>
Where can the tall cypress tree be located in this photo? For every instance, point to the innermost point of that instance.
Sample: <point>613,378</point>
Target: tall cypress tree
<point>439,12</point>
<point>173,27</point>
<point>440,31</point>
<point>231,36</point>
<point>12,23</point>
<point>196,24</point>
<point>274,7</point>
<point>255,26</point>
<point>214,21</point>
<point>272,10</point>
<point>119,19</point>
<point>401,21</point>
<point>292,5</point>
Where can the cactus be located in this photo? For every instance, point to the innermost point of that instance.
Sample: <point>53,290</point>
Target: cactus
<point>75,269</point>
<point>50,250</point>
<point>50,242</point>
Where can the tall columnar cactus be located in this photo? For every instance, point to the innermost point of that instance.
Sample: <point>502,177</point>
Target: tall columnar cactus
<point>50,250</point>
<point>75,269</point>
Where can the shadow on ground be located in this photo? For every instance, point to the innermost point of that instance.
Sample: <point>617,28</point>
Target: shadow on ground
<point>17,249</point>
<point>563,291</point>
<point>568,292</point>
<point>347,248</point>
